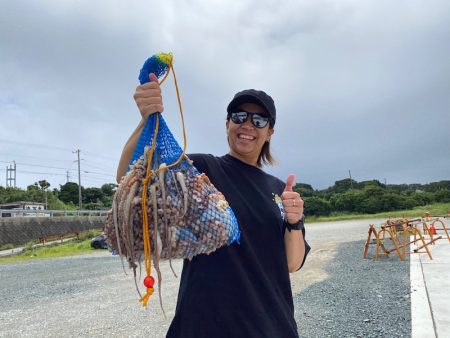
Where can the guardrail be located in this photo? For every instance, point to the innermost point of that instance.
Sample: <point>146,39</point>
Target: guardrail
<point>50,213</point>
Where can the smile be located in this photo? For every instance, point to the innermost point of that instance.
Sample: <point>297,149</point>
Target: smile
<point>246,137</point>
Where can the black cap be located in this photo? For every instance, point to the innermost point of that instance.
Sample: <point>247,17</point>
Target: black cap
<point>254,96</point>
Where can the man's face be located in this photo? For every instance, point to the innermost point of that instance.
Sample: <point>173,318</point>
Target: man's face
<point>245,140</point>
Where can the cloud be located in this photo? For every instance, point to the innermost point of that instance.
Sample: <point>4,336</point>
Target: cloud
<point>361,86</point>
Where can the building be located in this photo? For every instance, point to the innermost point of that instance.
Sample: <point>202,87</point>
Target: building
<point>22,206</point>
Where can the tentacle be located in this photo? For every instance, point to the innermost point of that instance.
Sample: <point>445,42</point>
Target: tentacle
<point>158,271</point>
<point>116,227</point>
<point>182,180</point>
<point>128,209</point>
<point>135,280</point>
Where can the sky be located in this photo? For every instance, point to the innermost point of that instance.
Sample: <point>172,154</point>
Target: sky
<point>359,86</point>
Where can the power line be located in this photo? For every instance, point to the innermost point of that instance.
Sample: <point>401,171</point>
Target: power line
<point>25,144</point>
<point>39,165</point>
<point>96,167</point>
<point>36,157</point>
<point>98,180</point>
<point>105,175</point>
<point>38,173</point>
<point>102,156</point>
<point>97,173</point>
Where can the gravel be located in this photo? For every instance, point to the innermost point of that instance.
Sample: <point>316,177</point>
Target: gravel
<point>82,296</point>
<point>361,298</point>
<point>336,294</point>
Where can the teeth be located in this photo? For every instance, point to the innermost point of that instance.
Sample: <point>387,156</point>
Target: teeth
<point>246,137</point>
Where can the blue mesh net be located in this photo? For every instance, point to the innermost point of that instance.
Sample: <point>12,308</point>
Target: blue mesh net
<point>208,222</point>
<point>188,215</point>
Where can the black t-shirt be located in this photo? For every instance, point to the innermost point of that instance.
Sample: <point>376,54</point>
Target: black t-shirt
<point>242,290</point>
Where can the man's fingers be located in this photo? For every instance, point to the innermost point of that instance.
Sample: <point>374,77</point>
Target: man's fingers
<point>288,203</point>
<point>290,182</point>
<point>155,108</point>
<point>148,85</point>
<point>148,100</point>
<point>153,78</point>
<point>148,93</point>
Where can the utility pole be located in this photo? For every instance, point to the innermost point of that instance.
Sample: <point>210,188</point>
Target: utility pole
<point>68,177</point>
<point>351,182</point>
<point>11,175</point>
<point>46,200</point>
<point>79,178</point>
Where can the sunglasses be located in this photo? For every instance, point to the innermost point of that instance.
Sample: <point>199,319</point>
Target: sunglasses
<point>258,120</point>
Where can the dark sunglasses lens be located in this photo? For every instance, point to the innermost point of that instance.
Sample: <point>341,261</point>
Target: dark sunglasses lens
<point>239,117</point>
<point>259,121</point>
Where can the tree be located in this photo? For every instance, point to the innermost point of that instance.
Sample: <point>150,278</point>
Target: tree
<point>343,185</point>
<point>351,201</point>
<point>69,193</point>
<point>316,206</point>
<point>442,196</point>
<point>93,195</point>
<point>44,185</point>
<point>109,189</point>
<point>305,190</point>
<point>436,186</point>
<point>372,183</point>
<point>11,194</point>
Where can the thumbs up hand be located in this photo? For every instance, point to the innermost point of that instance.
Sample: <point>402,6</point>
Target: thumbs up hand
<point>292,203</point>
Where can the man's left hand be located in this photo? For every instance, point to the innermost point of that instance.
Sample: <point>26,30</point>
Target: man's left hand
<point>292,202</point>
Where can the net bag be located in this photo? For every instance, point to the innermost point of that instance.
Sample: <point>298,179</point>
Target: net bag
<point>164,207</point>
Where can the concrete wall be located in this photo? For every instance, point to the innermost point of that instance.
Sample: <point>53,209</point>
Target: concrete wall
<point>20,230</point>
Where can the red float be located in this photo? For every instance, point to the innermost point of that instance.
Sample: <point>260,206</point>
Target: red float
<point>149,281</point>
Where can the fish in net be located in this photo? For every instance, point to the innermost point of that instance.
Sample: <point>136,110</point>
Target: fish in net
<point>164,207</point>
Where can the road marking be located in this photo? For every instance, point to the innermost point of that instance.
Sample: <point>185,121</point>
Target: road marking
<point>422,325</point>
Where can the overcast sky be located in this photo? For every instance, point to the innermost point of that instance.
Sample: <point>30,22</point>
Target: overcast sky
<point>359,85</point>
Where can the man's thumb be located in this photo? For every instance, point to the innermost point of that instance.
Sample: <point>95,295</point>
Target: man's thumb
<point>153,77</point>
<point>290,182</point>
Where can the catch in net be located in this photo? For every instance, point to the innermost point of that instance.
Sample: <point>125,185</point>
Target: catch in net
<point>164,207</point>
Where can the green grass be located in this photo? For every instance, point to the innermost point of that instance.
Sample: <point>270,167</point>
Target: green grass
<point>70,248</point>
<point>6,247</point>
<point>433,209</point>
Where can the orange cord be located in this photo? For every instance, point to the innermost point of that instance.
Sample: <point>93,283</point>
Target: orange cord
<point>149,174</point>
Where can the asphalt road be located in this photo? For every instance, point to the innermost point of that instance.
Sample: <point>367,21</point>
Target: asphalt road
<point>90,296</point>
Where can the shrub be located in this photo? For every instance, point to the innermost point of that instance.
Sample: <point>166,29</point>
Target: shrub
<point>316,206</point>
<point>6,247</point>
<point>89,234</point>
<point>442,196</point>
<point>29,246</point>
<point>352,201</point>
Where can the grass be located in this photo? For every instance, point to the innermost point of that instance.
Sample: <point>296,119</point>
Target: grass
<point>83,245</point>
<point>433,209</point>
<point>6,247</point>
<point>70,248</point>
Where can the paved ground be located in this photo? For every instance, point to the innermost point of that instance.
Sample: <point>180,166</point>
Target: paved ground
<point>430,291</point>
<point>89,296</point>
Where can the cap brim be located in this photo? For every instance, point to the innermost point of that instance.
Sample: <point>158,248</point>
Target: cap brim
<point>247,98</point>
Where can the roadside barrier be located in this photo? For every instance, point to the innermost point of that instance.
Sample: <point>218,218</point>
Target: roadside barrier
<point>20,230</point>
<point>403,234</point>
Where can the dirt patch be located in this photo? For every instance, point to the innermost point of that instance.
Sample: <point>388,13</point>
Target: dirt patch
<point>314,269</point>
